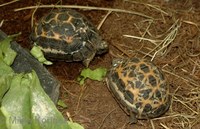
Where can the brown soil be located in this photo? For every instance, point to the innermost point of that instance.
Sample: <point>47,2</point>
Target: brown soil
<point>92,104</point>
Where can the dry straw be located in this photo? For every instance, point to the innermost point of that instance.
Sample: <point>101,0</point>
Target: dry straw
<point>160,45</point>
<point>8,3</point>
<point>86,8</point>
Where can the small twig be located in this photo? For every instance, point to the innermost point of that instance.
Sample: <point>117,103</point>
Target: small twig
<point>1,23</point>
<point>164,126</point>
<point>195,62</point>
<point>85,7</point>
<point>156,7</point>
<point>124,126</point>
<point>80,96</point>
<point>166,41</point>
<point>120,49</point>
<point>69,116</point>
<point>103,20</point>
<point>4,4</point>
<point>144,53</point>
<point>177,100</point>
<point>32,17</point>
<point>69,92</point>
<point>196,120</point>
<point>105,118</point>
<point>191,23</point>
<point>188,81</point>
<point>142,38</point>
<point>147,29</point>
<point>152,124</point>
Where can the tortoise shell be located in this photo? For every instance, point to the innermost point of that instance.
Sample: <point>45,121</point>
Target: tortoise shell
<point>67,35</point>
<point>139,87</point>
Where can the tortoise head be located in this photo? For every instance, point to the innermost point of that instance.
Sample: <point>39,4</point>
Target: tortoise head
<point>102,47</point>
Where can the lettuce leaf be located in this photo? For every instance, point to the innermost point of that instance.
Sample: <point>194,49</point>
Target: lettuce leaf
<point>23,102</point>
<point>6,53</point>
<point>26,106</point>
<point>97,74</point>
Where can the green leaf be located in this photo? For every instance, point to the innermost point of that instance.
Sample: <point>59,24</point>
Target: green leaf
<point>96,74</point>
<point>38,54</point>
<point>44,112</point>
<point>2,121</point>
<point>74,125</point>
<point>16,104</point>
<point>4,68</point>
<point>6,53</point>
<point>4,85</point>
<point>62,104</point>
<point>7,56</point>
<point>27,106</point>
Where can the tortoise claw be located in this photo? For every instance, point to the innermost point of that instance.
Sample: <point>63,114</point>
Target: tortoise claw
<point>87,61</point>
<point>132,118</point>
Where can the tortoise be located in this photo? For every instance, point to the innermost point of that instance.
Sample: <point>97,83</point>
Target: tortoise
<point>65,34</point>
<point>139,87</point>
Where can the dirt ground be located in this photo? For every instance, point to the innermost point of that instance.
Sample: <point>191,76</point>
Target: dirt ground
<point>167,32</point>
